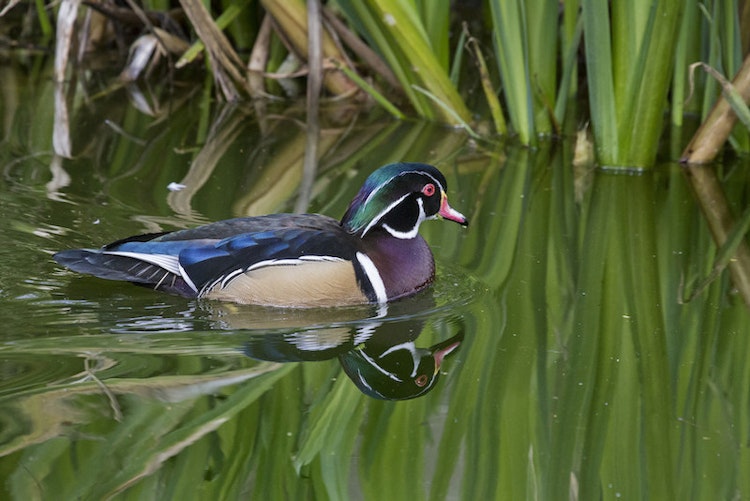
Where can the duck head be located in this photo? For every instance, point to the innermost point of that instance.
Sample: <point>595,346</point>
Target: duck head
<point>397,198</point>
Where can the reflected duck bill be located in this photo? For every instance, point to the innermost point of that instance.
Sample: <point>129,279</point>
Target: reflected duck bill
<point>443,352</point>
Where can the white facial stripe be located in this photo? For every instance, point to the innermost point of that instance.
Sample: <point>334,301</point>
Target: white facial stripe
<point>373,276</point>
<point>405,235</point>
<point>383,213</point>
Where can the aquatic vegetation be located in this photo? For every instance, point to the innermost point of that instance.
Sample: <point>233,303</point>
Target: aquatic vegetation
<point>628,60</point>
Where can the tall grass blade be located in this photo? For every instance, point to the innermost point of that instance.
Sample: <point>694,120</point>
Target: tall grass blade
<point>435,15</point>
<point>457,64</point>
<point>398,32</point>
<point>373,92</point>
<point>685,51</point>
<point>455,117</point>
<point>542,18</point>
<point>329,422</point>
<point>42,17</point>
<point>642,104</point>
<point>599,65</point>
<point>496,110</point>
<point>629,76</point>
<point>512,51</point>
<point>567,80</point>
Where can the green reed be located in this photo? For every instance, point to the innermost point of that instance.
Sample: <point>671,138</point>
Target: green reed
<point>413,40</point>
<point>412,57</point>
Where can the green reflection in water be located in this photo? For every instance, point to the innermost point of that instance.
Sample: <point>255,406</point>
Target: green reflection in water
<point>579,369</point>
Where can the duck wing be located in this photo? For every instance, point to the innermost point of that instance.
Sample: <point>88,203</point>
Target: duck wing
<point>187,262</point>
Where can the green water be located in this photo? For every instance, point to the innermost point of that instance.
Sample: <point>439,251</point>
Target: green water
<point>582,368</point>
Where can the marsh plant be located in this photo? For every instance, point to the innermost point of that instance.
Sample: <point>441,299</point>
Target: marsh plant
<point>527,69</point>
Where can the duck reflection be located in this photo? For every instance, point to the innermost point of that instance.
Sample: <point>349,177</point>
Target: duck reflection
<point>396,372</point>
<point>382,359</point>
<point>382,349</point>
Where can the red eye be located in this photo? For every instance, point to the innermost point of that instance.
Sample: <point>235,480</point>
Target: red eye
<point>422,380</point>
<point>428,190</point>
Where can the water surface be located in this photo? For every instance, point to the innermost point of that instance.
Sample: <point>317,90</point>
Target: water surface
<point>581,362</point>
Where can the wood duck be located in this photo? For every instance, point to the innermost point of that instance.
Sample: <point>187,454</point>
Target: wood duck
<point>373,255</point>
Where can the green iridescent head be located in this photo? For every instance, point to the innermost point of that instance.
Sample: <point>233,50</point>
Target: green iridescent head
<point>398,197</point>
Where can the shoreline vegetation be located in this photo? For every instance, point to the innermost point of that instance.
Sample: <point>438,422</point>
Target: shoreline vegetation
<point>628,71</point>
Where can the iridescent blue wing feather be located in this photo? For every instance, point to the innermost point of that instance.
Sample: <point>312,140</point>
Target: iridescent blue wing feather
<point>208,265</point>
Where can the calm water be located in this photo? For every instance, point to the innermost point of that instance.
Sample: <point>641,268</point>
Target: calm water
<point>589,354</point>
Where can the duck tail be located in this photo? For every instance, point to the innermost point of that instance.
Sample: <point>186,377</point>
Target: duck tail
<point>109,266</point>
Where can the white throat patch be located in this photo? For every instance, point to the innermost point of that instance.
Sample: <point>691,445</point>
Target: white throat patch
<point>405,235</point>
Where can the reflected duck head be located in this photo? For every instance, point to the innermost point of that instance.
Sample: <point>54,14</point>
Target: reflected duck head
<point>401,372</point>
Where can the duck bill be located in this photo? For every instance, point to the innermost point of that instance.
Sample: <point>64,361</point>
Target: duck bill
<point>451,214</point>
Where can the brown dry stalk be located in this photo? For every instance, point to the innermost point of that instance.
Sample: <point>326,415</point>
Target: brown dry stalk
<point>256,65</point>
<point>709,139</point>
<point>715,208</point>
<point>227,66</point>
<point>368,56</point>
<point>66,20</point>
<point>314,85</point>
<point>290,22</point>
